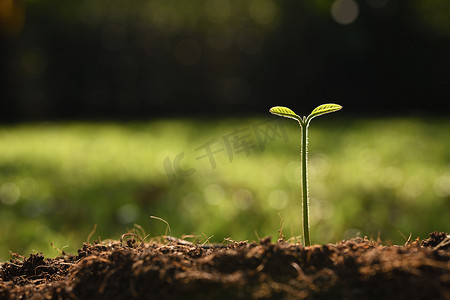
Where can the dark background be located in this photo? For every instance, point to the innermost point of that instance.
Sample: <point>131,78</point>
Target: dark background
<point>103,59</point>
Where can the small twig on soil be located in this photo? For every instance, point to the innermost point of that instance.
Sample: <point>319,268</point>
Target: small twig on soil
<point>161,219</point>
<point>66,263</point>
<point>178,241</point>
<point>407,239</point>
<point>230,240</point>
<point>130,234</point>
<point>16,255</point>
<point>141,229</point>
<point>187,243</point>
<point>257,236</point>
<point>189,236</point>
<point>144,235</point>
<point>13,264</point>
<point>142,242</point>
<point>41,267</point>
<point>207,239</point>
<point>91,233</point>
<point>298,269</point>
<point>281,237</point>
<point>443,243</point>
<point>60,251</point>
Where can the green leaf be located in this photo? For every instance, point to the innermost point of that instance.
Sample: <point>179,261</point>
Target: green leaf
<point>284,112</point>
<point>324,109</point>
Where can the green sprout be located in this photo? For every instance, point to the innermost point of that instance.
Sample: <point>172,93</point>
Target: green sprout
<point>304,123</point>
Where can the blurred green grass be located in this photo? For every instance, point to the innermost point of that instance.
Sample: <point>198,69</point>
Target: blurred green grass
<point>374,177</point>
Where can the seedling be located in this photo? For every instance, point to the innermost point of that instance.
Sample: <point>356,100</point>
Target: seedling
<point>304,123</point>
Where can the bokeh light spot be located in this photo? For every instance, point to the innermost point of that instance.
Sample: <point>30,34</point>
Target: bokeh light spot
<point>128,213</point>
<point>319,166</point>
<point>412,188</point>
<point>345,12</point>
<point>442,186</point>
<point>9,193</point>
<point>278,199</point>
<point>262,11</point>
<point>214,194</point>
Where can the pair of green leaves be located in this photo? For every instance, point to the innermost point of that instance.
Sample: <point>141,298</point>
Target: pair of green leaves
<point>319,110</point>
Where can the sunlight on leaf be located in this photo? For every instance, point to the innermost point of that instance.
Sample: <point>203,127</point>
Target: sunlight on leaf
<point>284,112</point>
<point>324,109</point>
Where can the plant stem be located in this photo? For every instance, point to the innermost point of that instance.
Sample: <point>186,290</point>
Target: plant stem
<point>305,200</point>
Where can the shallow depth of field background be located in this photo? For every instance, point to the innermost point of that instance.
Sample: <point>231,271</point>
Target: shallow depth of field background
<point>371,177</point>
<point>115,111</point>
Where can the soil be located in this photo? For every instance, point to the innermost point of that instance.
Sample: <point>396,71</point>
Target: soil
<point>174,269</point>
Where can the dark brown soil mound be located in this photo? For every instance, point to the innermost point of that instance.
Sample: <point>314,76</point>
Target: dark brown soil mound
<point>351,269</point>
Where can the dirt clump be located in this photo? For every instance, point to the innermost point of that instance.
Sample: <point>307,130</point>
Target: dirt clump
<point>358,268</point>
